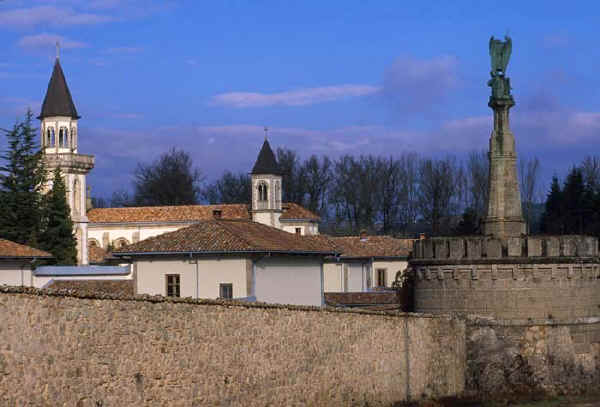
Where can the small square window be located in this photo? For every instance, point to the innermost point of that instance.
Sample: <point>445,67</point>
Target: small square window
<point>226,291</point>
<point>173,285</point>
<point>298,231</point>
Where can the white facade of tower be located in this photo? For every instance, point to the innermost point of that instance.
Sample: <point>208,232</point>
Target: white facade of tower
<point>266,199</point>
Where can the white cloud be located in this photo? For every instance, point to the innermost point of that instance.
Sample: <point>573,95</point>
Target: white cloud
<point>49,15</point>
<point>415,84</point>
<point>299,97</point>
<point>46,40</point>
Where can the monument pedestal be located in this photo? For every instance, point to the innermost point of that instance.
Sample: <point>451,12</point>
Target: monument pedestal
<point>504,214</point>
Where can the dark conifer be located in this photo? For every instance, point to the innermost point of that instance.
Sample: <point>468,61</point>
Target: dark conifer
<point>21,181</point>
<point>553,214</point>
<point>57,237</point>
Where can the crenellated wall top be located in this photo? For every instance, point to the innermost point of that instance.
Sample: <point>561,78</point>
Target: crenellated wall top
<point>519,249</point>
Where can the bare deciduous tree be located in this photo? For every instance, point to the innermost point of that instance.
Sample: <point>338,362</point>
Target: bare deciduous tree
<point>315,178</point>
<point>529,171</point>
<point>477,172</point>
<point>170,180</point>
<point>438,192</point>
<point>230,188</point>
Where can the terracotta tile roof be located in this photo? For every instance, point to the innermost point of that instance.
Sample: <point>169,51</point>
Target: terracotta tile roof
<point>373,246</point>
<point>294,211</point>
<point>221,235</point>
<point>97,254</point>
<point>362,298</point>
<point>116,287</point>
<point>14,250</point>
<point>188,213</point>
<point>180,213</point>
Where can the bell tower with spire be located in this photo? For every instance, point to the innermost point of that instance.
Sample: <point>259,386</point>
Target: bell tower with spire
<point>266,187</point>
<point>59,142</point>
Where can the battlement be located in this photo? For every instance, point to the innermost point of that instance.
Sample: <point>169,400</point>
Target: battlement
<point>525,249</point>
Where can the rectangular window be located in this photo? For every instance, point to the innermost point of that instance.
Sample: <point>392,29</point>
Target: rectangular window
<point>298,231</point>
<point>173,285</point>
<point>226,291</point>
<point>381,277</point>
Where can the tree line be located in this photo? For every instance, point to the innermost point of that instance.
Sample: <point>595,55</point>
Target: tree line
<point>30,215</point>
<point>400,195</point>
<point>573,206</point>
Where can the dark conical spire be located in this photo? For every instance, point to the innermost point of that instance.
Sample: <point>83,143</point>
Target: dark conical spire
<point>266,162</point>
<point>58,100</point>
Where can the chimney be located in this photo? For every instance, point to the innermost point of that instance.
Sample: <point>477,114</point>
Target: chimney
<point>363,235</point>
<point>217,213</point>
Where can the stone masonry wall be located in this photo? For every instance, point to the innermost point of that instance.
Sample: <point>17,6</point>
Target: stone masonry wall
<point>64,348</point>
<point>517,292</point>
<point>518,278</point>
<point>545,357</point>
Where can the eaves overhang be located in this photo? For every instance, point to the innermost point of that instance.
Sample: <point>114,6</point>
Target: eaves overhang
<point>225,252</point>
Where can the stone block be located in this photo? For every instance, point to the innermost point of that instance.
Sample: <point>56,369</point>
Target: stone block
<point>457,248</point>
<point>441,249</point>
<point>552,247</point>
<point>585,246</point>
<point>514,247</point>
<point>568,245</point>
<point>474,248</point>
<point>418,249</point>
<point>428,249</point>
<point>493,248</point>
<point>534,247</point>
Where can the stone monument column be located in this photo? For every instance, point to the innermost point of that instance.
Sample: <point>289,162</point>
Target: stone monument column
<point>504,216</point>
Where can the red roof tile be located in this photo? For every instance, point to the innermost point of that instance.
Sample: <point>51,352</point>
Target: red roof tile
<point>15,250</point>
<point>97,254</point>
<point>294,211</point>
<point>221,235</point>
<point>188,213</point>
<point>180,213</point>
<point>372,246</point>
<point>115,287</point>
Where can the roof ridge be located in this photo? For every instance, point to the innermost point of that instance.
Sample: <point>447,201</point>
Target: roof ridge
<point>175,206</point>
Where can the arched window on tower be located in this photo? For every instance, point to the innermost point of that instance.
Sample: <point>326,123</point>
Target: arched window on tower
<point>50,137</point>
<point>63,136</point>
<point>262,192</point>
<point>76,197</point>
<point>262,196</point>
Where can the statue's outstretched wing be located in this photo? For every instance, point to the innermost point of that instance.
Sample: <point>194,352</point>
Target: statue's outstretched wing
<point>506,52</point>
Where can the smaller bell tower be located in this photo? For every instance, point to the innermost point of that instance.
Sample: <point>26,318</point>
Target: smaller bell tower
<point>266,188</point>
<point>59,142</point>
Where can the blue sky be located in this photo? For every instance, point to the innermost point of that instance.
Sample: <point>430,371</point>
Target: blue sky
<point>331,77</point>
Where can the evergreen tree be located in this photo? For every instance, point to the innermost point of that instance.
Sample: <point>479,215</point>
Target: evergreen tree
<point>469,224</point>
<point>21,181</point>
<point>574,202</point>
<point>57,237</point>
<point>552,219</point>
